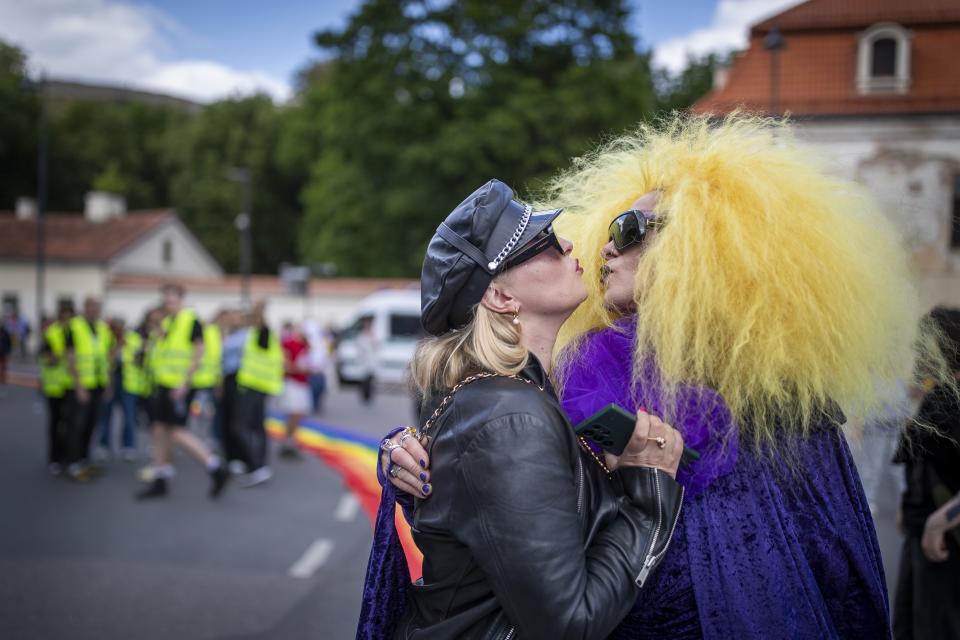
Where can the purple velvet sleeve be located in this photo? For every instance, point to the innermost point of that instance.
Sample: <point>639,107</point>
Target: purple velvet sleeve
<point>387,578</point>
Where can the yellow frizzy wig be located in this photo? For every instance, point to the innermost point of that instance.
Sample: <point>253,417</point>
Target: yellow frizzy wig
<point>780,286</point>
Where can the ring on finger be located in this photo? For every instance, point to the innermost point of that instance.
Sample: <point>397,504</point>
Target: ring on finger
<point>389,445</point>
<point>404,437</point>
<point>660,440</point>
<point>394,470</point>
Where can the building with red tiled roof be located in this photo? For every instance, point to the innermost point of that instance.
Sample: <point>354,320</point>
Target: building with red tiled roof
<point>124,257</point>
<point>875,85</point>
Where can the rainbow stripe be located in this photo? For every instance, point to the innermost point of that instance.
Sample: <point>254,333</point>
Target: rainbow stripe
<point>355,458</point>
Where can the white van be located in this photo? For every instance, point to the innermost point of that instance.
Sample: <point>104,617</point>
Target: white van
<point>396,327</point>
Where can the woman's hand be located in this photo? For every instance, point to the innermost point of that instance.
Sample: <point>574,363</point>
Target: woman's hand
<point>406,457</point>
<point>934,542</point>
<point>654,444</point>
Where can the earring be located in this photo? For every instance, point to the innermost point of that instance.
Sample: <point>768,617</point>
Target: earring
<point>516,318</point>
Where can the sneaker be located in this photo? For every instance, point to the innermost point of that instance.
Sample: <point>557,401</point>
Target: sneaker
<point>82,475</point>
<point>218,480</point>
<point>289,451</point>
<point>55,469</point>
<point>147,473</point>
<point>237,467</point>
<point>255,477</point>
<point>156,489</point>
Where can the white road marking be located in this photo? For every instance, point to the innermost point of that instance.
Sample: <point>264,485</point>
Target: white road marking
<point>347,508</point>
<point>312,559</point>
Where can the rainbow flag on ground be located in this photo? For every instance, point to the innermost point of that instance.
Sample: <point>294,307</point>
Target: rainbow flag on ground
<point>355,458</point>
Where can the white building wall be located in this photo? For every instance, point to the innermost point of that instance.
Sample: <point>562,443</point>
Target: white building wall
<point>60,281</point>
<point>909,164</point>
<point>132,304</point>
<point>187,258</point>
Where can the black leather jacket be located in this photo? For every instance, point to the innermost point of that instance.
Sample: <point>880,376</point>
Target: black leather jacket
<point>525,536</point>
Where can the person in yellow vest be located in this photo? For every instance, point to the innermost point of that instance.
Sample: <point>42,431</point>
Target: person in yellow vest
<point>260,375</point>
<point>133,384</point>
<point>207,379</point>
<point>56,385</point>
<point>87,346</point>
<point>177,357</point>
<point>111,397</point>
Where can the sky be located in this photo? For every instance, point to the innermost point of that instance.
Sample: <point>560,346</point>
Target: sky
<point>209,49</point>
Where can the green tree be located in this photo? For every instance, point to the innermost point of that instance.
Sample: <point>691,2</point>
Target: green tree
<point>236,133</point>
<point>425,103</point>
<point>680,91</point>
<point>18,128</point>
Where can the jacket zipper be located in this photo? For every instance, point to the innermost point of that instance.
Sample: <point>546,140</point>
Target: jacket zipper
<point>651,559</point>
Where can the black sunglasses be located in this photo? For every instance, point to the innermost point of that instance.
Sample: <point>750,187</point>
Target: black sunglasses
<point>630,228</point>
<point>544,240</point>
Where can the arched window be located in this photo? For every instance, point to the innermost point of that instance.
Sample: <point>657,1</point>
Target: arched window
<point>883,59</point>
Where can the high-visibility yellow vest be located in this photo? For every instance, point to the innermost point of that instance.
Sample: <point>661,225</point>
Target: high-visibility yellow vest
<point>91,351</point>
<point>173,353</point>
<point>135,379</point>
<point>208,375</point>
<point>55,379</point>
<point>261,369</point>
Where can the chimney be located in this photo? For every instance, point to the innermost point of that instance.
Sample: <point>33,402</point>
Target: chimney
<point>720,75</point>
<point>26,208</point>
<point>101,206</point>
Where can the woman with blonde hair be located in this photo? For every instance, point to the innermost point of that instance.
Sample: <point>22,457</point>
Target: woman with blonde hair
<point>530,534</point>
<point>753,300</point>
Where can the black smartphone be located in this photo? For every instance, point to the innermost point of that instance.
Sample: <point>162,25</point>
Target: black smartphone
<point>611,428</point>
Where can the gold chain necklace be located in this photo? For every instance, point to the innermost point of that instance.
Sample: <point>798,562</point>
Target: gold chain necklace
<point>486,374</point>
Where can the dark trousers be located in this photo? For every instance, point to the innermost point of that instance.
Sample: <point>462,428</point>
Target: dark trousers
<point>229,434</point>
<point>366,389</point>
<point>56,431</point>
<point>318,384</point>
<point>927,602</point>
<point>251,434</point>
<point>82,424</point>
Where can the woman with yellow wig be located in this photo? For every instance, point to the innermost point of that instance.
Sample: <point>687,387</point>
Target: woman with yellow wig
<point>752,300</point>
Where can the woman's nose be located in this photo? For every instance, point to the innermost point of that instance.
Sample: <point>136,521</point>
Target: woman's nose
<point>609,251</point>
<point>566,245</point>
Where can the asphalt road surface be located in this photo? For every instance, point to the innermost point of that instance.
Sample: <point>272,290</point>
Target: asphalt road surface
<point>281,560</point>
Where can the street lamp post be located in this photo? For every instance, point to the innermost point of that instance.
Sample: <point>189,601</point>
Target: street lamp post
<point>773,42</point>
<point>243,223</point>
<point>42,146</point>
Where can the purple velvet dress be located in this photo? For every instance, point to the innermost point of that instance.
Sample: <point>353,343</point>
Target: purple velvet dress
<point>759,552</point>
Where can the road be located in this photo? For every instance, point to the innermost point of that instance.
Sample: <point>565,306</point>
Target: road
<point>87,561</point>
<point>282,560</point>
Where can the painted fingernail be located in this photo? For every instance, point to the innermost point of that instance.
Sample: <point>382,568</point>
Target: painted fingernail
<point>423,463</point>
<point>423,477</point>
<point>644,409</point>
<point>426,489</point>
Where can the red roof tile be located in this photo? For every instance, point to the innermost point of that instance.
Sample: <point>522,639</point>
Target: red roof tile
<point>837,14</point>
<point>72,238</point>
<point>818,63</point>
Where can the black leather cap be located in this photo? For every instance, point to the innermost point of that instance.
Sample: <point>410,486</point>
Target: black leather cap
<point>469,249</point>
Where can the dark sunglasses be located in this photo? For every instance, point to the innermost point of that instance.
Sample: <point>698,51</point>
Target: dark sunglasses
<point>544,240</point>
<point>630,228</point>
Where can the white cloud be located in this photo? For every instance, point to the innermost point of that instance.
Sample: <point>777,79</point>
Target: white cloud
<point>727,31</point>
<point>119,42</point>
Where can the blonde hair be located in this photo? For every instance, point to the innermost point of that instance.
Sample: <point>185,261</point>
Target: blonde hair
<point>783,288</point>
<point>489,342</point>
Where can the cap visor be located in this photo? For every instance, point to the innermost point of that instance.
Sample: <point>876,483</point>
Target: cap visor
<point>539,220</point>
